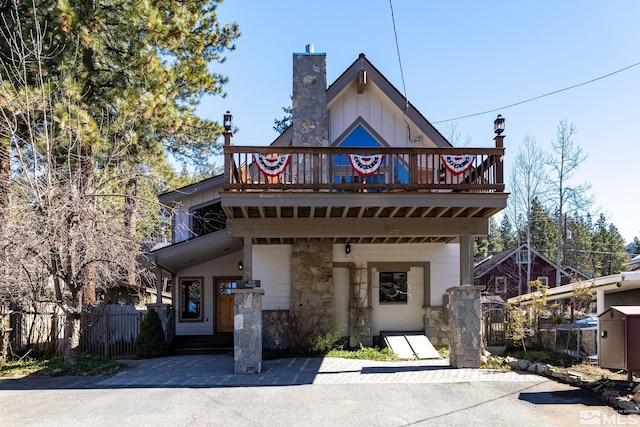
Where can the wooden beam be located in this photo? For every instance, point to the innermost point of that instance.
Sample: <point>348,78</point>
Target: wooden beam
<point>355,227</point>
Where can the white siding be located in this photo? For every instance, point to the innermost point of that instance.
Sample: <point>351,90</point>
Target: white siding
<point>272,266</point>
<point>220,267</point>
<point>399,317</point>
<point>444,273</point>
<point>378,111</point>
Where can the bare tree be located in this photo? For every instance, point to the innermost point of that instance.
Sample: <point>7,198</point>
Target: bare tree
<point>527,184</point>
<point>57,237</point>
<point>563,161</point>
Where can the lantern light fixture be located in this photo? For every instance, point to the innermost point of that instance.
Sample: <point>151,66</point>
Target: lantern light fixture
<point>240,265</point>
<point>498,124</point>
<point>228,121</point>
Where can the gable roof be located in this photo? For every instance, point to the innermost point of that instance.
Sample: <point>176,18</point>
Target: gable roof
<point>373,74</point>
<point>489,263</point>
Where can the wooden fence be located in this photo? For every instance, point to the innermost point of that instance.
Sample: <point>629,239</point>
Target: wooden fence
<point>107,330</point>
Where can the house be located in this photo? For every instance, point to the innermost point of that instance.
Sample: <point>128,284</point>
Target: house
<point>506,273</point>
<point>361,214</point>
<point>622,289</point>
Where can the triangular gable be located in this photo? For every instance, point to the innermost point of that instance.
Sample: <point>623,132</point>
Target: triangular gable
<point>497,259</point>
<point>360,134</point>
<point>377,78</point>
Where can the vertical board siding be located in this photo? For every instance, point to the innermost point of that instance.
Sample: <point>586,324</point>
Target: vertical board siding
<point>272,266</point>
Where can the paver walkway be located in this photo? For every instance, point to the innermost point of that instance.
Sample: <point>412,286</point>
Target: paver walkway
<point>217,370</point>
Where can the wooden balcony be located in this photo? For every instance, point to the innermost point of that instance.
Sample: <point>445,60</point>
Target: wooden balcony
<point>329,169</point>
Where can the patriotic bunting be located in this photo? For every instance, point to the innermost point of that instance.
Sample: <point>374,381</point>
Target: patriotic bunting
<point>366,165</point>
<point>272,166</point>
<point>458,164</point>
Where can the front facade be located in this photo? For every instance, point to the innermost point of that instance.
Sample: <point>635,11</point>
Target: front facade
<point>359,216</point>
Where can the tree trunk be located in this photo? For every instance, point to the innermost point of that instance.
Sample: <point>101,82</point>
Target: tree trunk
<point>130,207</point>
<point>4,175</point>
<point>72,330</point>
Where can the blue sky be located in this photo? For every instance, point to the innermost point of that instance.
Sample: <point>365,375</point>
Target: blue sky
<point>461,58</point>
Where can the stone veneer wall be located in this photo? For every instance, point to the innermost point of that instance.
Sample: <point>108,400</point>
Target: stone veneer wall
<point>311,302</point>
<point>465,320</point>
<point>309,112</point>
<point>435,327</point>
<point>247,331</point>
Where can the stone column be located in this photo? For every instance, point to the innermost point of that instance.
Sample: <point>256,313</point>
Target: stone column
<point>247,331</point>
<point>465,326</point>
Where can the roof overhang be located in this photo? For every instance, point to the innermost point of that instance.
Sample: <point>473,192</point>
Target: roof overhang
<point>607,284</point>
<point>178,256</point>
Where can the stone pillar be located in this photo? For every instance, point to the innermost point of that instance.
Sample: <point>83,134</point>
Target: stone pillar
<point>247,331</point>
<point>465,326</point>
<point>436,325</point>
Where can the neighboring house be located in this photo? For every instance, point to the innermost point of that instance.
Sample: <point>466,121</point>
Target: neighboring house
<point>360,214</point>
<point>505,273</point>
<point>633,264</point>
<point>615,290</point>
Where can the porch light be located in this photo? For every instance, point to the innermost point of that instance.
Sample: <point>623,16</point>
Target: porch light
<point>228,121</point>
<point>347,248</point>
<point>240,265</point>
<point>498,124</point>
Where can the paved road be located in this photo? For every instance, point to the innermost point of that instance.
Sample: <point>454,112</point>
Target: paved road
<point>202,390</point>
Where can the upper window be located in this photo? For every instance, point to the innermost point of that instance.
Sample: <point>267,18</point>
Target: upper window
<point>207,219</point>
<point>501,285</point>
<point>191,298</point>
<point>393,287</point>
<point>523,256</point>
<point>544,280</point>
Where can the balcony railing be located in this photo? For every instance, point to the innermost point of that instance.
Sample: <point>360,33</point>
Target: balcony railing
<point>478,170</point>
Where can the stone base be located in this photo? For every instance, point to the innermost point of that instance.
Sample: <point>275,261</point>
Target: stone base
<point>435,328</point>
<point>247,331</point>
<point>465,326</point>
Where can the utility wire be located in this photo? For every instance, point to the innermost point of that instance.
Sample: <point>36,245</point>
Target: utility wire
<point>395,34</point>
<point>534,98</point>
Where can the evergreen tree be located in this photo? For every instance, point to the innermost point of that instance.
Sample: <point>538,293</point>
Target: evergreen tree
<point>94,95</point>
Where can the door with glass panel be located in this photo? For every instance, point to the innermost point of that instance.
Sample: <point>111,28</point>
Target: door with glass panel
<point>224,303</point>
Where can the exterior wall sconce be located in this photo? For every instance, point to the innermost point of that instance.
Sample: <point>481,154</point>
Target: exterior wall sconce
<point>240,265</point>
<point>498,124</point>
<point>347,248</point>
<point>442,175</point>
<point>228,121</point>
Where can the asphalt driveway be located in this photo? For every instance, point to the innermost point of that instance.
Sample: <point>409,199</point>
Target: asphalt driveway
<point>202,390</point>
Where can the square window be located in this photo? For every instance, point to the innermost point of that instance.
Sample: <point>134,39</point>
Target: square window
<point>501,285</point>
<point>523,257</point>
<point>393,287</point>
<point>191,299</point>
<point>544,280</point>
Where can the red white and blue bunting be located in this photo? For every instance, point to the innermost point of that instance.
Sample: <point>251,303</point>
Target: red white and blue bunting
<point>458,164</point>
<point>272,166</point>
<point>366,165</point>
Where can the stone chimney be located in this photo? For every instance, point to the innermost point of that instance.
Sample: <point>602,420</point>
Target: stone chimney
<point>309,104</point>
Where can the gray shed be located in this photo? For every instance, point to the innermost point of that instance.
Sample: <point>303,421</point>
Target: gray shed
<point>620,338</point>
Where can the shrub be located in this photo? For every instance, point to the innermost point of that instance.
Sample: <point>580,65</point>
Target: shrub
<point>151,342</point>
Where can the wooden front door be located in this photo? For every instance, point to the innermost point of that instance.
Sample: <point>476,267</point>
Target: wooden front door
<point>224,304</point>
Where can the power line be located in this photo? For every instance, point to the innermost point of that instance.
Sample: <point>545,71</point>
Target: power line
<point>395,34</point>
<point>536,97</point>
